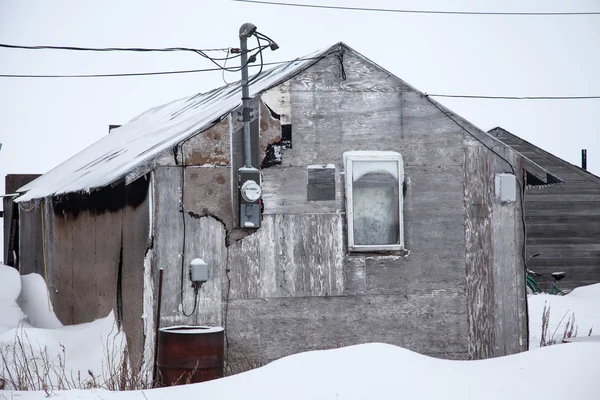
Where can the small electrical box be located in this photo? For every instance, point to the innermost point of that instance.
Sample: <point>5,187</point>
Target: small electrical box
<point>198,271</point>
<point>506,188</point>
<point>250,193</point>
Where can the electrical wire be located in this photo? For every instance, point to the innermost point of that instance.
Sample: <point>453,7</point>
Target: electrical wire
<point>134,49</point>
<point>223,71</point>
<point>144,50</point>
<point>189,71</point>
<point>437,12</point>
<point>261,61</point>
<point>465,96</point>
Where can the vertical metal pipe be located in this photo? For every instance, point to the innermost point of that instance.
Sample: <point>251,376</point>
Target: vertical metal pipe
<point>246,31</point>
<point>584,159</point>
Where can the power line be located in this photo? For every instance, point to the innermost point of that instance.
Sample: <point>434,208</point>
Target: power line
<point>188,71</point>
<point>201,52</point>
<point>392,10</point>
<point>106,49</point>
<point>466,96</point>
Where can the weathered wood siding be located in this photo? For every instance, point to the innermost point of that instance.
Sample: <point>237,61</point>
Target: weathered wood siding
<point>12,183</point>
<point>30,255</point>
<point>291,285</point>
<point>563,221</point>
<point>287,294</point>
<point>494,255</point>
<point>97,267</point>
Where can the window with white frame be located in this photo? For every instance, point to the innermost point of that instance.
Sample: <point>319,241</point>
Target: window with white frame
<point>374,200</point>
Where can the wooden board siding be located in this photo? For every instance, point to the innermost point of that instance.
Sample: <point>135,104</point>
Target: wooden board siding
<point>563,220</point>
<point>88,254</point>
<point>85,266</point>
<point>279,303</point>
<point>495,270</point>
<point>30,257</point>
<point>12,183</point>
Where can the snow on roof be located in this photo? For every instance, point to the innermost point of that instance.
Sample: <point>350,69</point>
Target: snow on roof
<point>148,135</point>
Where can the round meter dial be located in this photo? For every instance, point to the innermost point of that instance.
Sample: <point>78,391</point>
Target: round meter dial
<point>251,191</point>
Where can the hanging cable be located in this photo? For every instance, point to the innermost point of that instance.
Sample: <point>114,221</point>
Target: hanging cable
<point>392,10</point>
<point>189,71</point>
<point>261,61</point>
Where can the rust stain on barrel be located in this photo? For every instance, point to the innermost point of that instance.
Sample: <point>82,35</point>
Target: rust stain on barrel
<point>190,354</point>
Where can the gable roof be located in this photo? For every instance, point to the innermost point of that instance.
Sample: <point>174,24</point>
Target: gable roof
<point>541,157</point>
<point>118,156</point>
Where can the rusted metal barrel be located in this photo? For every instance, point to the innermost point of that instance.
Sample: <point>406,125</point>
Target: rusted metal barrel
<point>190,354</point>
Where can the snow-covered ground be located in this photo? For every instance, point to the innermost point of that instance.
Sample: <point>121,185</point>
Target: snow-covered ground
<point>369,371</point>
<point>582,305</point>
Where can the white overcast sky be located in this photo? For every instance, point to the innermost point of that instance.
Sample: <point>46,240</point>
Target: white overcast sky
<point>45,121</point>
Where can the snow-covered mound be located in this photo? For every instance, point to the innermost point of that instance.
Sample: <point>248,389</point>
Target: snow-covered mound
<point>10,287</point>
<point>380,371</point>
<point>583,302</point>
<point>35,302</point>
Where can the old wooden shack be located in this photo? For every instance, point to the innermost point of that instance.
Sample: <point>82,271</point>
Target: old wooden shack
<point>563,221</point>
<point>434,261</point>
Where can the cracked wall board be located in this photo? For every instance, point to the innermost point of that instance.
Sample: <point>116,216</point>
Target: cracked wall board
<point>210,147</point>
<point>207,191</point>
<point>290,255</point>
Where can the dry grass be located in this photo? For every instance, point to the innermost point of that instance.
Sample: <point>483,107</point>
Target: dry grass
<point>25,367</point>
<point>570,330</point>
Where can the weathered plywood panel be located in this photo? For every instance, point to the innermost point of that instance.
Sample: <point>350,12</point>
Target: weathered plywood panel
<point>510,307</point>
<point>136,240</point>
<point>83,243</point>
<point>478,238</point>
<point>205,239</point>
<point>85,262</point>
<point>107,256</point>
<point>290,255</point>
<point>274,328</point>
<point>285,192</point>
<point>168,240</point>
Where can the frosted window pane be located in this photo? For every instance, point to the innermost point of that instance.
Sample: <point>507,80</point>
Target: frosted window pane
<point>375,203</point>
